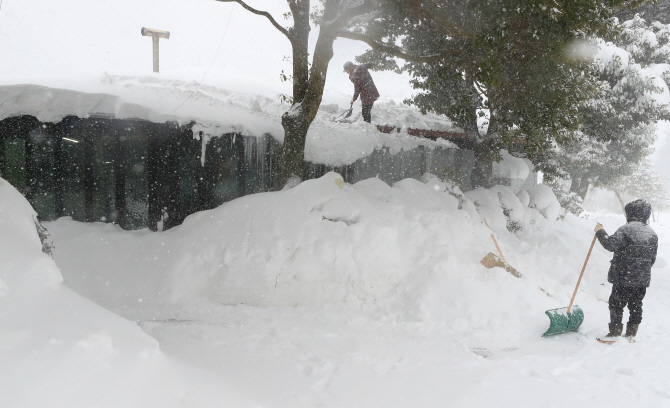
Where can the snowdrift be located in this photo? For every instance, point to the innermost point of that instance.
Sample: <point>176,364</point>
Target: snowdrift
<point>408,253</point>
<point>60,349</point>
<point>411,250</point>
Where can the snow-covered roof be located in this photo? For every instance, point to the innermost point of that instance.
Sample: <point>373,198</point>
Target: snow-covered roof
<point>218,111</point>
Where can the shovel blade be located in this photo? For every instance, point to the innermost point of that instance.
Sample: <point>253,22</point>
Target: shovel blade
<point>560,321</point>
<point>345,114</point>
<point>492,260</point>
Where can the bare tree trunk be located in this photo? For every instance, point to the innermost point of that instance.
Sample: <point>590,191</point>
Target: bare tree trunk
<point>297,120</point>
<point>623,205</point>
<point>300,44</point>
<point>308,84</point>
<point>482,173</point>
<point>579,186</point>
<point>291,161</point>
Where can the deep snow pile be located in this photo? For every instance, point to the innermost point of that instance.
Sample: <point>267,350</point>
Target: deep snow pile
<point>365,295</point>
<point>60,349</point>
<point>409,252</point>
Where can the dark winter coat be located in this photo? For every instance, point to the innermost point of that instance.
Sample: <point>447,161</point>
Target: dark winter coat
<point>634,245</point>
<point>364,85</point>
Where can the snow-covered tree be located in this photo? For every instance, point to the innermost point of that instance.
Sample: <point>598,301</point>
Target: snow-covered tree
<point>647,43</point>
<point>643,183</point>
<point>506,60</point>
<point>619,126</point>
<point>654,10</point>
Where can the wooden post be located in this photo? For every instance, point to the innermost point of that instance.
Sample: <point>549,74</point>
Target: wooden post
<point>59,172</point>
<point>3,157</point>
<point>5,134</point>
<point>56,134</point>
<point>204,181</point>
<point>241,170</point>
<point>31,176</point>
<point>89,171</point>
<point>154,41</point>
<point>156,35</point>
<point>172,177</point>
<point>163,175</point>
<point>18,128</point>
<point>273,150</point>
<point>153,180</point>
<point>120,178</point>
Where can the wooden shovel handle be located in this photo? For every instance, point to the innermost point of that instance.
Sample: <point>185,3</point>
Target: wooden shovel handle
<point>582,274</point>
<point>494,241</point>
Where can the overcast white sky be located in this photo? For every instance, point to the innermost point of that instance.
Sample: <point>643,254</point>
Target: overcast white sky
<point>76,41</point>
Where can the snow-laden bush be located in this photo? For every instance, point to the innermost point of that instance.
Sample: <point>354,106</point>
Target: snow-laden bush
<point>525,212</point>
<point>510,167</point>
<point>543,199</point>
<point>571,202</point>
<point>523,197</point>
<point>451,187</point>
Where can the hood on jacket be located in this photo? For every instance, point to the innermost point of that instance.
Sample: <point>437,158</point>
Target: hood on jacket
<point>638,210</point>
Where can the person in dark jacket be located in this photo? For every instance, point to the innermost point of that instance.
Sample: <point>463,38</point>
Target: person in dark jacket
<point>363,86</point>
<point>635,246</point>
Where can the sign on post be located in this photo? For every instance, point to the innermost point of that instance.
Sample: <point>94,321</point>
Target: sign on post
<point>155,34</point>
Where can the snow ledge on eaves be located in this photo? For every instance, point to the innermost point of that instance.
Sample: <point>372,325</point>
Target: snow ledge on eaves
<point>218,111</point>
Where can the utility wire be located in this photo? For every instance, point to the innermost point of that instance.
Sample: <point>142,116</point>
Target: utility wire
<point>210,65</point>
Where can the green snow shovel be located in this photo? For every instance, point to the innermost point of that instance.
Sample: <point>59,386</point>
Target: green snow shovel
<point>567,319</point>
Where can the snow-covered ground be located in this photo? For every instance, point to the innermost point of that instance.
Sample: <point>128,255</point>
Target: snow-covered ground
<point>318,296</point>
<point>363,296</point>
<point>58,349</point>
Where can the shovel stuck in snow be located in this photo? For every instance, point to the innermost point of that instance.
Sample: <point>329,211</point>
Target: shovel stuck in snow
<point>567,319</point>
<point>492,260</point>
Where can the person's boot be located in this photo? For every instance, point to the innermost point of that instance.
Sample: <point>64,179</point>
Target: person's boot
<point>631,330</point>
<point>615,330</point>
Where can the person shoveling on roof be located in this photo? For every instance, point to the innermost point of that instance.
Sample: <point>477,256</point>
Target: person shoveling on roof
<point>635,246</point>
<point>363,86</point>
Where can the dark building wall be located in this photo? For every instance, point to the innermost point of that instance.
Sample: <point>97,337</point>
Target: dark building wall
<point>140,174</point>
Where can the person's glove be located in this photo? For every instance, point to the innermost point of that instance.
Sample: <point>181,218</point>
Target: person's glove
<point>598,227</point>
<point>352,102</point>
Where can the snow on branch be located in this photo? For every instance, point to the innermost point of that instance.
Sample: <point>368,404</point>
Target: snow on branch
<point>260,13</point>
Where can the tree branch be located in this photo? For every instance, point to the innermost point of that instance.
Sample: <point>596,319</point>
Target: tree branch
<point>293,6</point>
<point>390,49</point>
<point>260,13</point>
